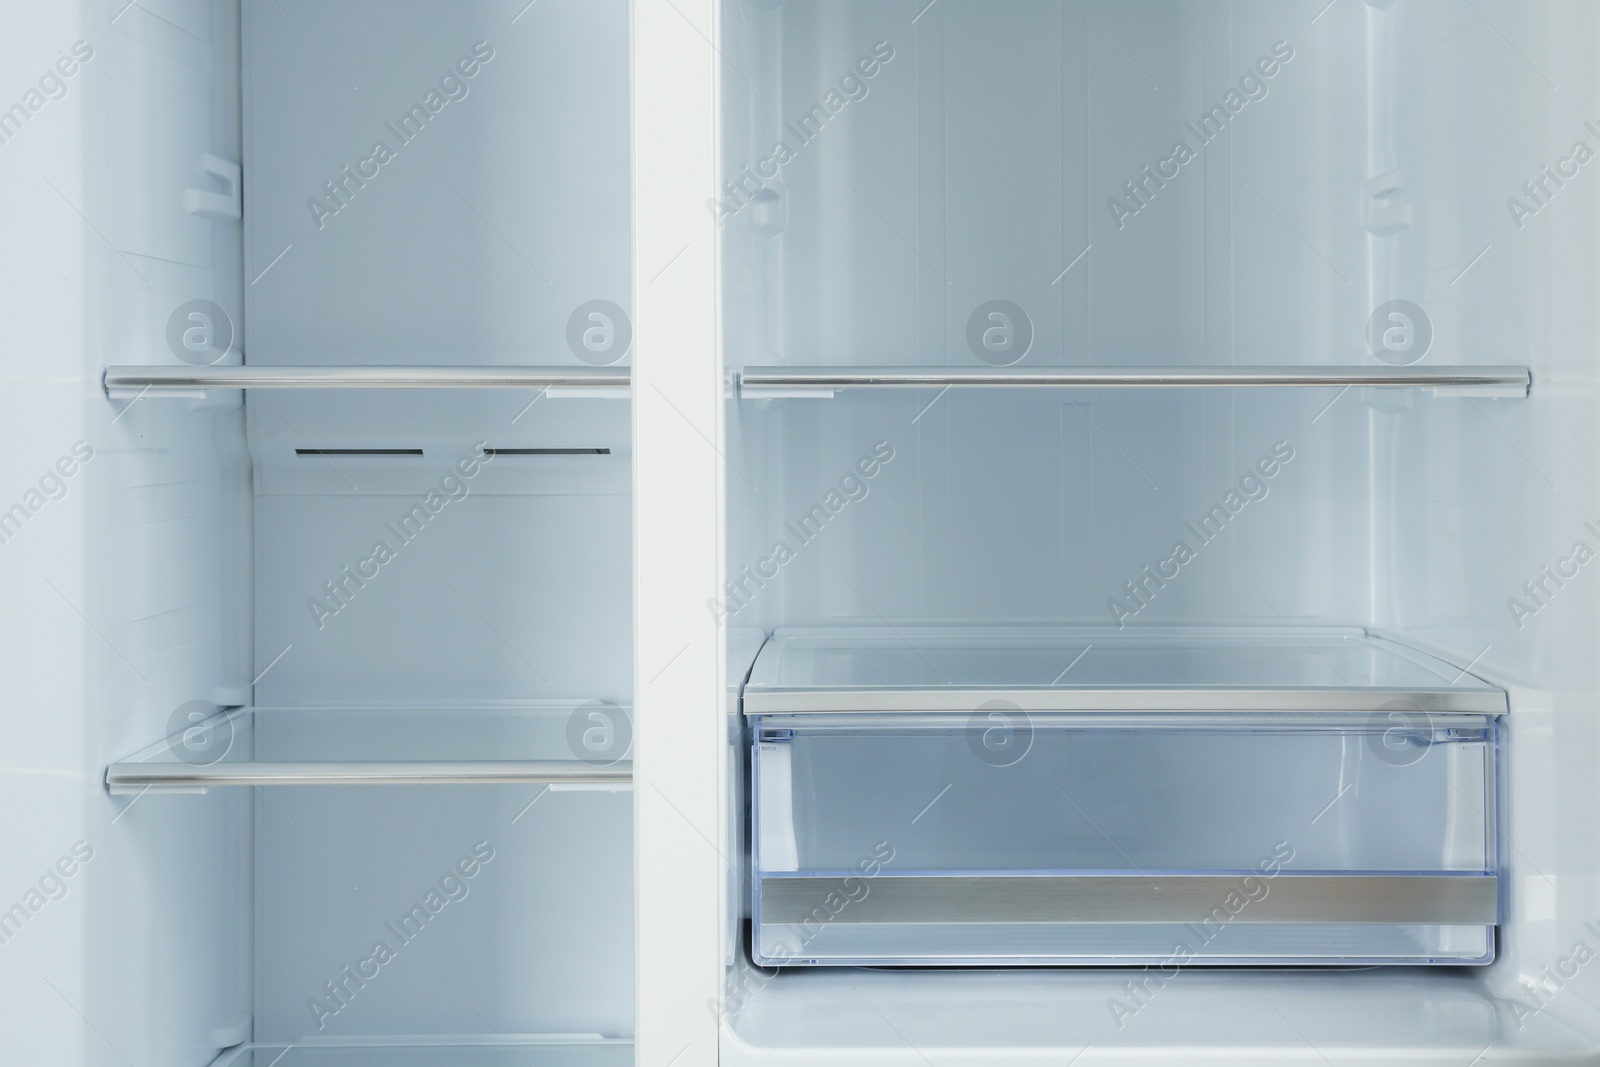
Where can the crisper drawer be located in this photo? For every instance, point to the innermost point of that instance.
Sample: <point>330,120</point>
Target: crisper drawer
<point>1011,837</point>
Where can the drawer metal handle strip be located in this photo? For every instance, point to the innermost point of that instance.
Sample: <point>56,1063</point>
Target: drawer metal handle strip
<point>1289,898</point>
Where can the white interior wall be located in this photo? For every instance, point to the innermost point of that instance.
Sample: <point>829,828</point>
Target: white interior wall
<point>124,582</point>
<point>1041,507</point>
<point>537,942</point>
<point>143,570</point>
<point>475,244</point>
<point>1482,498</point>
<point>948,184</point>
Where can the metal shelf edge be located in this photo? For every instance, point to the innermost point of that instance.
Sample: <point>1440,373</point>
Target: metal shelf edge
<point>946,699</point>
<point>132,381</point>
<point>1388,898</point>
<point>773,382</point>
<point>181,776</point>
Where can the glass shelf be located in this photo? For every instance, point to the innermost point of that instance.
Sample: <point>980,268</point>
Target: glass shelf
<point>509,1051</point>
<point>564,744</point>
<point>1096,669</point>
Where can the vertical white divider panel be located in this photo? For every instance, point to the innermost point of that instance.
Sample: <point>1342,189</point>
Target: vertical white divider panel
<point>678,429</point>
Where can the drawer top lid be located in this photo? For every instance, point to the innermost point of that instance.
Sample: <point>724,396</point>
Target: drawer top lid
<point>1095,669</point>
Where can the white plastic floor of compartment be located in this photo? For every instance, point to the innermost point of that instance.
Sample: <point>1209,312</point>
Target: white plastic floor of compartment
<point>978,1018</point>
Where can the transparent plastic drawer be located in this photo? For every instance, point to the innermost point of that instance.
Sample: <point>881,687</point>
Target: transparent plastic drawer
<point>1004,837</point>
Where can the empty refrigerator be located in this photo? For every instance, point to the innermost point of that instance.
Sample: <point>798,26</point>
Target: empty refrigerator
<point>799,531</point>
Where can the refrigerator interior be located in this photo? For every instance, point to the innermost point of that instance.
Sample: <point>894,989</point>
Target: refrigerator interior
<point>894,169</point>
<point>427,578</point>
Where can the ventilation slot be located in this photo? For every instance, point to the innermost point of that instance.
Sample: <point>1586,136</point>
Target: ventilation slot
<point>358,451</point>
<point>547,451</point>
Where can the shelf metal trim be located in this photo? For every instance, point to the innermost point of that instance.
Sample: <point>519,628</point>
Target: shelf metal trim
<point>126,382</point>
<point>133,775</point>
<point>1430,899</point>
<point>756,383</point>
<point>461,1050</point>
<point>821,701</point>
